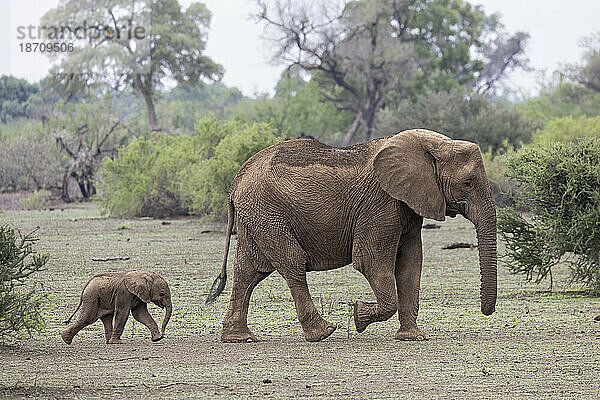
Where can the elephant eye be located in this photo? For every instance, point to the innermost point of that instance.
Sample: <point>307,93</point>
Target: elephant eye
<point>162,293</point>
<point>468,184</point>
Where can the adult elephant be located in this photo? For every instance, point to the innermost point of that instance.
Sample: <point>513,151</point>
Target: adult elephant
<point>305,206</point>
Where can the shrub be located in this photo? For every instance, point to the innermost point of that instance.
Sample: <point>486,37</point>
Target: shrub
<point>567,129</point>
<point>561,191</point>
<point>460,115</point>
<point>161,175</point>
<point>142,179</point>
<point>20,308</point>
<point>30,158</point>
<point>37,200</point>
<point>204,185</point>
<point>561,99</point>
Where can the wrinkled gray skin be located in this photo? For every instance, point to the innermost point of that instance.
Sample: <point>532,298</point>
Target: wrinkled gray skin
<point>113,295</point>
<point>303,206</point>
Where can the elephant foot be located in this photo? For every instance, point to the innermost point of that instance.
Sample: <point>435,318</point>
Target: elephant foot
<point>411,334</point>
<point>363,315</point>
<point>157,338</point>
<point>239,336</point>
<point>115,341</point>
<point>319,331</point>
<point>66,337</point>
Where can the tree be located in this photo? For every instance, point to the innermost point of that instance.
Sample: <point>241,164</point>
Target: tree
<point>134,44</point>
<point>502,53</point>
<point>588,74</point>
<point>182,107</point>
<point>460,114</point>
<point>297,107</point>
<point>371,52</point>
<point>14,96</point>
<point>86,133</point>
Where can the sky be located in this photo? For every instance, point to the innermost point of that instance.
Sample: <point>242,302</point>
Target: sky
<point>235,41</point>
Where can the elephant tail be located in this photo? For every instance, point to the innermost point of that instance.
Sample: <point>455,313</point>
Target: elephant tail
<point>80,301</point>
<point>219,284</point>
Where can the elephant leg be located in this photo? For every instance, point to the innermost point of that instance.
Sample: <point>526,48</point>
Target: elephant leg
<point>142,315</point>
<point>279,245</point>
<point>108,327</point>
<point>381,280</point>
<point>89,315</point>
<point>250,269</point>
<point>409,261</point>
<point>314,325</point>
<point>120,320</point>
<point>235,324</point>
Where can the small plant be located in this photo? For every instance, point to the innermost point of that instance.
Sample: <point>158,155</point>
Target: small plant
<point>122,226</point>
<point>561,196</point>
<point>37,200</point>
<point>20,303</point>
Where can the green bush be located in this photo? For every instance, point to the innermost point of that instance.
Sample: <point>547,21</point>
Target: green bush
<point>460,115</point>
<point>37,200</point>
<point>561,192</point>
<point>204,185</point>
<point>559,100</point>
<point>142,179</point>
<point>567,129</point>
<point>162,175</point>
<point>20,306</point>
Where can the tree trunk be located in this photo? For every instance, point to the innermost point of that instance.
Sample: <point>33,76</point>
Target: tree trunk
<point>151,111</point>
<point>65,188</point>
<point>352,131</point>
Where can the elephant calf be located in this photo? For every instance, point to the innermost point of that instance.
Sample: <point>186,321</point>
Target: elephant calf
<point>113,295</point>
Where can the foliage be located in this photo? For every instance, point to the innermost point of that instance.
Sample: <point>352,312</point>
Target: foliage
<point>37,200</point>
<point>460,115</point>
<point>185,104</point>
<point>298,106</point>
<point>588,74</point>
<point>561,190</point>
<point>20,305</point>
<point>558,100</point>
<point>142,179</point>
<point>205,184</point>
<point>567,129</point>
<point>161,174</point>
<point>15,96</point>
<point>30,158</point>
<point>171,46</point>
<point>370,52</point>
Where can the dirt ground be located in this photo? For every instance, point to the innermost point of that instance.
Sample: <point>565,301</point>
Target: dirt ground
<point>537,344</point>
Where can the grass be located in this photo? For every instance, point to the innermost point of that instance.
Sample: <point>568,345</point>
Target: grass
<point>537,344</point>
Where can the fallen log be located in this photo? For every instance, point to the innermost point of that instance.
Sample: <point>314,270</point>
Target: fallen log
<point>124,258</point>
<point>459,245</point>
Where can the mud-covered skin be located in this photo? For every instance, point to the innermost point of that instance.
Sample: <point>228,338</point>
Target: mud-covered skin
<point>111,296</point>
<point>304,206</point>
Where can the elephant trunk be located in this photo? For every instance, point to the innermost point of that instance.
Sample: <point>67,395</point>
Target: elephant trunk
<point>168,310</point>
<point>485,226</point>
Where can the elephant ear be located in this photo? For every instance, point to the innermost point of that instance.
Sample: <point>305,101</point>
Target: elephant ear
<point>406,168</point>
<point>137,283</point>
